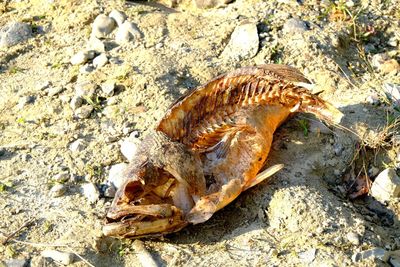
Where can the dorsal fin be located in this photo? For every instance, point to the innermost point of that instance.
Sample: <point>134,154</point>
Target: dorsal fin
<point>218,92</point>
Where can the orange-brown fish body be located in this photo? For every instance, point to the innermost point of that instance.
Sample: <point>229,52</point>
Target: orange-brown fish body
<point>225,128</point>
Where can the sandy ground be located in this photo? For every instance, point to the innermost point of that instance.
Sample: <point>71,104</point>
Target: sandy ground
<point>303,210</point>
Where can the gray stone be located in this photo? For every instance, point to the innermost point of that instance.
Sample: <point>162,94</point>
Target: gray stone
<point>65,258</point>
<point>95,44</point>
<point>243,44</point>
<point>110,191</point>
<point>108,88</point>
<point>126,32</point>
<point>83,112</point>
<point>55,90</point>
<point>294,25</point>
<point>81,57</point>
<point>386,185</point>
<point>353,238</point>
<point>85,89</point>
<point>78,145</point>
<point>58,190</point>
<point>118,16</point>
<point>308,256</point>
<point>91,192</point>
<point>393,92</point>
<point>376,253</point>
<point>115,176</point>
<point>16,263</point>
<point>14,33</point>
<point>102,26</point>
<point>100,61</point>
<point>76,102</point>
<point>61,177</point>
<point>129,147</point>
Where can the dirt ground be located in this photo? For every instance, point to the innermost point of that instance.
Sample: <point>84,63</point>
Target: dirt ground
<point>302,217</point>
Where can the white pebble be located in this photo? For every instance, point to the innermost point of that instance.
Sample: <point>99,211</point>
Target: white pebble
<point>91,192</point>
<point>118,16</point>
<point>386,185</point>
<point>108,88</point>
<point>61,177</point>
<point>64,258</point>
<point>116,177</point>
<point>58,190</point>
<point>80,58</point>
<point>54,90</point>
<point>102,26</point>
<point>78,145</point>
<point>129,148</point>
<point>126,32</point>
<point>76,102</point>
<point>95,44</point>
<point>100,61</point>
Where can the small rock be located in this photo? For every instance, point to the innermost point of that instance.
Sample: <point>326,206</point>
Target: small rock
<point>84,112</point>
<point>126,32</point>
<point>100,61</point>
<point>116,177</point>
<point>76,102</point>
<point>85,89</point>
<point>353,238</point>
<point>129,148</point>
<point>308,256</point>
<point>386,185</point>
<point>243,44</point>
<point>91,192</point>
<point>108,88</point>
<point>337,149</point>
<point>58,190</point>
<point>294,26</point>
<point>392,42</point>
<point>372,99</point>
<point>112,101</point>
<point>55,90</point>
<point>392,92</point>
<point>82,57</point>
<point>14,33</point>
<point>95,44</point>
<point>23,101</point>
<point>118,16</point>
<point>16,263</point>
<point>64,258</point>
<point>65,99</point>
<point>61,177</point>
<point>376,253</point>
<point>390,66</point>
<point>85,69</point>
<point>44,85</point>
<point>78,145</point>
<point>102,26</point>
<point>110,191</point>
<point>378,59</point>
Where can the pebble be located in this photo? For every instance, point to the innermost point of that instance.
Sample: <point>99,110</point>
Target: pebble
<point>91,192</point>
<point>118,16</point>
<point>58,190</point>
<point>87,68</point>
<point>243,44</point>
<point>112,101</point>
<point>95,44</point>
<point>393,92</point>
<point>115,176</point>
<point>386,185</point>
<point>85,89</point>
<point>103,26</point>
<point>61,177</point>
<point>44,85</point>
<point>110,191</point>
<point>78,145</point>
<point>55,90</point>
<point>353,238</point>
<point>126,32</point>
<point>294,25</point>
<point>100,61</point>
<point>372,99</point>
<point>16,263</point>
<point>392,41</point>
<point>23,101</point>
<point>76,102</point>
<point>308,256</point>
<point>64,258</point>
<point>129,147</point>
<point>14,33</point>
<point>81,57</point>
<point>108,88</point>
<point>376,253</point>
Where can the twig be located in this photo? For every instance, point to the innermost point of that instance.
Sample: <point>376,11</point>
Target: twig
<point>8,237</point>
